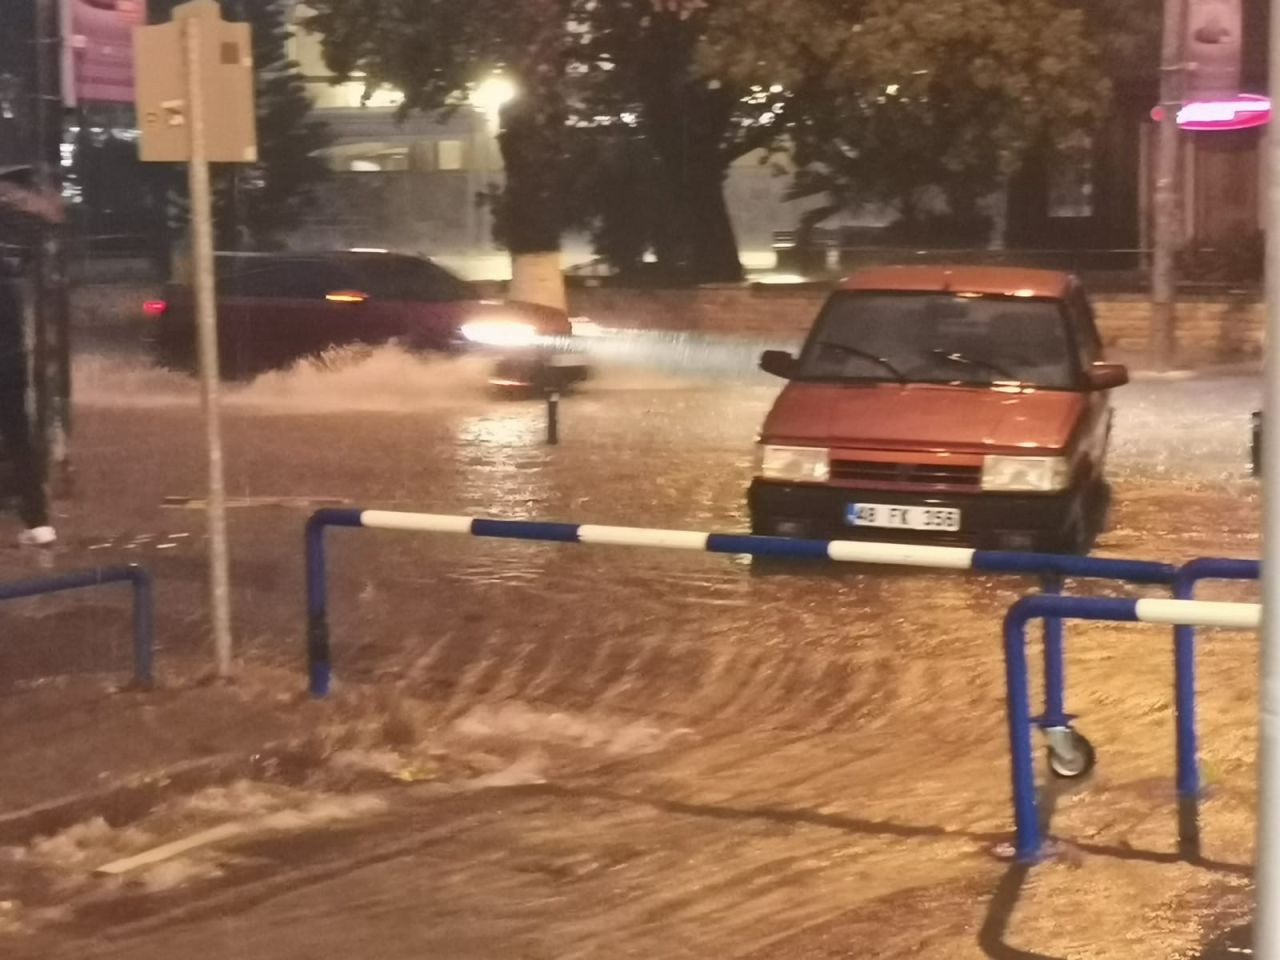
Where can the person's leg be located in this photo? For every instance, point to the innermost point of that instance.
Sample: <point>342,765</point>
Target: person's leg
<point>15,431</point>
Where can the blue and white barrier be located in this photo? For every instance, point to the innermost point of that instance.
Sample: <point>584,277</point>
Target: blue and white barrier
<point>839,551</point>
<point>1052,568</point>
<point>1183,613</point>
<point>132,574</point>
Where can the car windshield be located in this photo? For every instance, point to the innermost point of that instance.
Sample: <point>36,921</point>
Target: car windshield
<point>940,338</point>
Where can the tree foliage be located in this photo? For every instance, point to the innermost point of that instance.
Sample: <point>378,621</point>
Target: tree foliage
<point>632,111</point>
<point>257,204</point>
<point>436,51</point>
<point>912,96</point>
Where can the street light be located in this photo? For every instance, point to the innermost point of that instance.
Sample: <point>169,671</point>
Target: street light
<point>492,94</point>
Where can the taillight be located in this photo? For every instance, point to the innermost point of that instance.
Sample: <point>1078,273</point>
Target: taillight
<point>154,308</point>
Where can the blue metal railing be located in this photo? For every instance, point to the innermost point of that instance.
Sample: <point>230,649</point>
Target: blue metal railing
<point>1184,613</point>
<point>143,652</point>
<point>841,551</point>
<point>1051,568</point>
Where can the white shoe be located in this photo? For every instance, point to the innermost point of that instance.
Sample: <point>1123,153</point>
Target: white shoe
<point>37,537</point>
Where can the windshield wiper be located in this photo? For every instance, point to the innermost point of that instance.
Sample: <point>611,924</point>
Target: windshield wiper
<point>865,355</point>
<point>982,364</point>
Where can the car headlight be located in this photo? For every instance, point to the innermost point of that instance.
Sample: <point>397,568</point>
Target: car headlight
<point>800,464</point>
<point>500,332</point>
<point>1026,474</point>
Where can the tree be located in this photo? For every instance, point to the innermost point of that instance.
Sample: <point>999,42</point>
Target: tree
<point>436,52</point>
<point>270,197</point>
<point>689,120</point>
<point>920,95</point>
<point>257,204</point>
<point>695,118</point>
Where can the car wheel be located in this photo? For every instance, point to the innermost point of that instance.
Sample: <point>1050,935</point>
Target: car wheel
<point>1083,530</point>
<point>1097,512</point>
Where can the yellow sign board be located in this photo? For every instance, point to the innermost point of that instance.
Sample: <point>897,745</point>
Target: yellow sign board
<point>224,54</point>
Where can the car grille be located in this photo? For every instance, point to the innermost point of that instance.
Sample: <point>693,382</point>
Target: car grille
<point>921,476</point>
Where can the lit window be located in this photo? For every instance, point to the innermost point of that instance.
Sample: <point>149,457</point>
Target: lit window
<point>449,155</point>
<point>1070,188</point>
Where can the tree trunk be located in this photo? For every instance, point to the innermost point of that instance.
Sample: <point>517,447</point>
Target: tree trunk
<point>533,207</point>
<point>687,123</point>
<point>709,239</point>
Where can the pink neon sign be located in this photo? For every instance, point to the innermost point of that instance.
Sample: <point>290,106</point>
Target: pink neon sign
<point>1236,113</point>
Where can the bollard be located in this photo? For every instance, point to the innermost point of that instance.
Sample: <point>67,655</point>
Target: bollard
<point>553,417</point>
<point>1184,659</point>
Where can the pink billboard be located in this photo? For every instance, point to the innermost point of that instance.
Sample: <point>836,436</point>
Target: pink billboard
<point>98,43</point>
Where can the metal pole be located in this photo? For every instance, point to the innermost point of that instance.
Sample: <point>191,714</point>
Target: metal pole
<point>206,318</point>
<point>1054,668</point>
<point>553,417</point>
<point>1267,887</point>
<point>319,670</point>
<point>1018,713</point>
<point>1163,279</point>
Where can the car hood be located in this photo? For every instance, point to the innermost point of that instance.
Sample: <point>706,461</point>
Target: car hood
<point>922,417</point>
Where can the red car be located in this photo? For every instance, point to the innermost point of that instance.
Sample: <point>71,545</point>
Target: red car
<point>276,308</point>
<point>943,404</point>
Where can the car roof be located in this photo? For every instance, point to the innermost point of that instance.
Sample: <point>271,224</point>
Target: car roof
<point>945,278</point>
<point>348,256</point>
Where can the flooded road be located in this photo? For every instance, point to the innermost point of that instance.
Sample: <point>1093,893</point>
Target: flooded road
<point>693,756</point>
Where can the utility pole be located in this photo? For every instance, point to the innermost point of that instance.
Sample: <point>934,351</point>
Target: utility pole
<point>1266,923</point>
<point>1162,340</point>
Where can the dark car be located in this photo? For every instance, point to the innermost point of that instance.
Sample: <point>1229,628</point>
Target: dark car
<point>276,308</point>
<point>942,404</point>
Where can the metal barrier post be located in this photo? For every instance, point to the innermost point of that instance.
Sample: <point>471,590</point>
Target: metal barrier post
<point>1184,681</point>
<point>319,668</point>
<point>143,646</point>
<point>1054,668</point>
<point>1026,817</point>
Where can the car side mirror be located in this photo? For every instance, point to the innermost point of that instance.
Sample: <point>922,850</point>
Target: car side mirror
<point>1107,376</point>
<point>779,363</point>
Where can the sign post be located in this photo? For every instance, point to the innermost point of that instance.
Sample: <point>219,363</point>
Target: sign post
<point>195,104</point>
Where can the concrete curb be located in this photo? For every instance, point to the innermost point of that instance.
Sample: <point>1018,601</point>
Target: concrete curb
<point>125,801</point>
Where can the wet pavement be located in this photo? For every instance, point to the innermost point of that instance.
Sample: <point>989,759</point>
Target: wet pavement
<point>624,752</point>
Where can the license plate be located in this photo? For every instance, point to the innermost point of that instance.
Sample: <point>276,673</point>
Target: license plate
<point>892,517</point>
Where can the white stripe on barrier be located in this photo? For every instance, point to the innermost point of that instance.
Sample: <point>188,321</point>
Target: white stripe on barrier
<point>1200,613</point>
<point>433,522</point>
<point>907,555</point>
<point>642,537</point>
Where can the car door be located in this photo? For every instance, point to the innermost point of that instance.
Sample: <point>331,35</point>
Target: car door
<point>280,311</point>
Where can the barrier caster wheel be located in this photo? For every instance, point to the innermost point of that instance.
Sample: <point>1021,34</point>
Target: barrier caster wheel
<point>1070,755</point>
